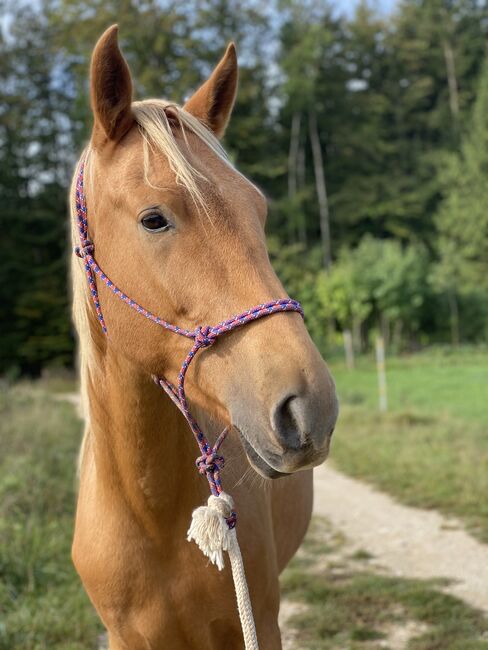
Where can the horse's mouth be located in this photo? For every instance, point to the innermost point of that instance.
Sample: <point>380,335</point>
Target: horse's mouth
<point>257,461</point>
<point>266,465</point>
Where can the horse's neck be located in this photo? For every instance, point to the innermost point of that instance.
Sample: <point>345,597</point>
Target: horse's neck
<point>143,449</point>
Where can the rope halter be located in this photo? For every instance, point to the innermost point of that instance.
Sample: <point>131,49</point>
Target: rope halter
<point>213,526</point>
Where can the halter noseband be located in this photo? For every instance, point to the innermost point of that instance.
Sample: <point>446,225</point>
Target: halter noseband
<point>210,462</point>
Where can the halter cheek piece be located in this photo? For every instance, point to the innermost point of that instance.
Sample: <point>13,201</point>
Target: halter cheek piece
<point>210,462</point>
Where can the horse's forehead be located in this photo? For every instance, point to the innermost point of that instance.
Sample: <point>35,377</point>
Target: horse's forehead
<point>223,185</point>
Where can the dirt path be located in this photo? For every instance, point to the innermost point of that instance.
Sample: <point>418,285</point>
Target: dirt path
<point>407,541</point>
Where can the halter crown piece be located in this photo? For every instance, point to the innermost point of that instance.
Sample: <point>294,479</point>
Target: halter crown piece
<point>213,525</point>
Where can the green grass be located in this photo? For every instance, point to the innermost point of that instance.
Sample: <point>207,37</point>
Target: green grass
<point>349,604</point>
<point>42,603</point>
<point>431,448</point>
<point>439,382</point>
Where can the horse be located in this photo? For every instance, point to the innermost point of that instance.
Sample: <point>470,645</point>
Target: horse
<point>181,231</point>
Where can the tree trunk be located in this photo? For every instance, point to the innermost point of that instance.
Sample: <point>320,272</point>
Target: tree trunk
<point>348,348</point>
<point>380,367</point>
<point>452,85</point>
<point>397,336</point>
<point>451,79</point>
<point>301,174</point>
<point>385,329</point>
<point>454,312</point>
<point>292,170</point>
<point>321,189</point>
<point>301,180</point>
<point>293,154</point>
<point>357,335</point>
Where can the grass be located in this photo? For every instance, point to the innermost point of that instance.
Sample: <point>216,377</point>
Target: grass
<point>348,603</point>
<point>42,603</point>
<point>431,448</point>
<point>440,382</point>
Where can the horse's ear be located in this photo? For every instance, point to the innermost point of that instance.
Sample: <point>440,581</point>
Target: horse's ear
<point>212,103</point>
<point>111,90</point>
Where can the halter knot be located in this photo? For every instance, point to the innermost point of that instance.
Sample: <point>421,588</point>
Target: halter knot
<point>204,337</point>
<point>231,520</point>
<point>87,249</point>
<point>210,462</point>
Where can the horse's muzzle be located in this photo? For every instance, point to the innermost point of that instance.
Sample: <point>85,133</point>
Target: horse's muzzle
<point>297,437</point>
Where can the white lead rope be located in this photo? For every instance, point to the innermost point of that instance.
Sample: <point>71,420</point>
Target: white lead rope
<point>213,536</point>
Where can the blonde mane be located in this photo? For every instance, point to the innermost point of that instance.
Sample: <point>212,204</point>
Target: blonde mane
<point>153,118</point>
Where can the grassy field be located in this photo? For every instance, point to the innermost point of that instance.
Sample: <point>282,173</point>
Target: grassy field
<point>42,604</point>
<point>431,448</point>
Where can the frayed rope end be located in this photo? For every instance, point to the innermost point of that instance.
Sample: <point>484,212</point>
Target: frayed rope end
<point>210,530</point>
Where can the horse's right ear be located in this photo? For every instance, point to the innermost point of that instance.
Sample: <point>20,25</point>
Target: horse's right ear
<point>212,103</point>
<point>111,91</point>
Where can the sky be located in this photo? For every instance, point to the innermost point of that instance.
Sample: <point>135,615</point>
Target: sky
<point>348,6</point>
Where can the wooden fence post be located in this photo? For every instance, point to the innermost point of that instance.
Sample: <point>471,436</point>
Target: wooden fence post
<point>380,366</point>
<point>348,349</point>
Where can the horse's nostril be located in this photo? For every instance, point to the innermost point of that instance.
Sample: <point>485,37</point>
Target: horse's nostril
<point>303,422</point>
<point>286,421</point>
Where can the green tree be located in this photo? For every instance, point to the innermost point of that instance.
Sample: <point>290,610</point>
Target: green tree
<point>462,219</point>
<point>379,285</point>
<point>34,322</point>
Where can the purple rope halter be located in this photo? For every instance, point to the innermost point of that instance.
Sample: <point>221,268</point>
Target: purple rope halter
<point>210,462</point>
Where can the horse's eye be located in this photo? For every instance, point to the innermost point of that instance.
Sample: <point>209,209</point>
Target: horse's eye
<point>155,222</point>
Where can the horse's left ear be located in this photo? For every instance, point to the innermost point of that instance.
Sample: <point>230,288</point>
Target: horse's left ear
<point>212,103</point>
<point>111,91</point>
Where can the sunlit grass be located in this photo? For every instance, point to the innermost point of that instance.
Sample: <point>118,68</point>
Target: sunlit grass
<point>438,381</point>
<point>42,603</point>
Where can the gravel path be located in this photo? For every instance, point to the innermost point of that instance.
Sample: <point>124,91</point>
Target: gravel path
<point>407,541</point>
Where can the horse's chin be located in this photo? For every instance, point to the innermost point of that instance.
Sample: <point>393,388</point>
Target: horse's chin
<point>258,463</point>
<point>266,464</point>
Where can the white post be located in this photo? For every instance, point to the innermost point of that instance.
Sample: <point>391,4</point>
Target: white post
<point>380,366</point>
<point>348,348</point>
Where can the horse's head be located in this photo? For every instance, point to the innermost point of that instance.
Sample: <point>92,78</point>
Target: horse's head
<point>182,232</point>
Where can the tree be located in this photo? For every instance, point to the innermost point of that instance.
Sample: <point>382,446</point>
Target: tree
<point>306,41</point>
<point>34,323</point>
<point>462,218</point>
<point>379,285</point>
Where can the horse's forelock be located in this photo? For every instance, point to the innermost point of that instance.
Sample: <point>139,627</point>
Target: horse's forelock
<point>155,117</point>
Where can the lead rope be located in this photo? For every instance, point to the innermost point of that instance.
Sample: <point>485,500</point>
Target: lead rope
<point>210,530</point>
<point>213,527</point>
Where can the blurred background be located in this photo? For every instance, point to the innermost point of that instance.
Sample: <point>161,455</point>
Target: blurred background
<point>366,125</point>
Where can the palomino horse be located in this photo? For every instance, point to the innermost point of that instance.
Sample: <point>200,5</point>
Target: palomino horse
<point>182,232</point>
